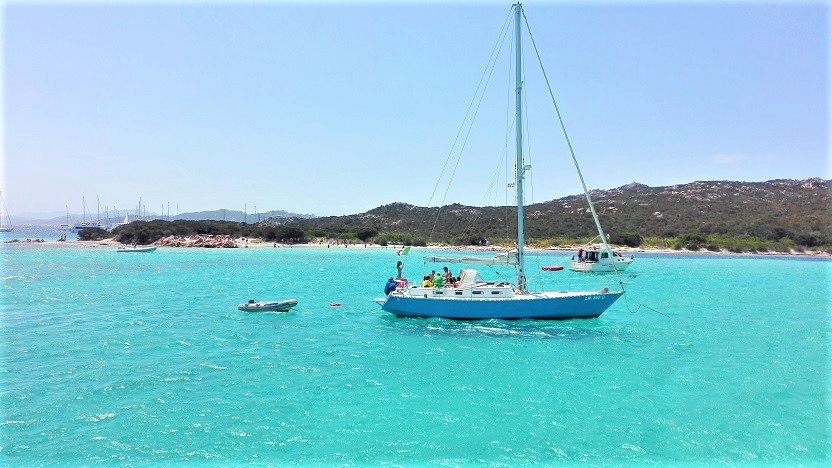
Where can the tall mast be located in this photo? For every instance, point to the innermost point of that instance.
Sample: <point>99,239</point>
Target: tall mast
<point>519,168</point>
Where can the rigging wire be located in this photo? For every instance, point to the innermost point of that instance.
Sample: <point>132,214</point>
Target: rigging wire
<point>489,69</point>
<point>574,159</point>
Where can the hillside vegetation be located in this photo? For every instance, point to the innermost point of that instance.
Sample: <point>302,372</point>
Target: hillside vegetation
<point>739,216</point>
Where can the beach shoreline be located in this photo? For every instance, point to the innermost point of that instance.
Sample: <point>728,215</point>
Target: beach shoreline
<point>205,241</point>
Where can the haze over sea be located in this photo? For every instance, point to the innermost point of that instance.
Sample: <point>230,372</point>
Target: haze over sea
<point>144,358</point>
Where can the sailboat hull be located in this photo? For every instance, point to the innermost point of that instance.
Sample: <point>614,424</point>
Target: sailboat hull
<point>548,305</point>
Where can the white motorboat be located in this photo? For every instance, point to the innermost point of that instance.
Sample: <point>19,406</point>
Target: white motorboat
<point>137,248</point>
<point>266,306</point>
<point>599,258</point>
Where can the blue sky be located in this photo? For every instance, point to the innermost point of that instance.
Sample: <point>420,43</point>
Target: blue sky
<point>339,108</point>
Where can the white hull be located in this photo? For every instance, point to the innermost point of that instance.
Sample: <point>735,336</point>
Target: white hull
<point>621,264</point>
<point>6,229</point>
<point>79,226</point>
<point>148,248</point>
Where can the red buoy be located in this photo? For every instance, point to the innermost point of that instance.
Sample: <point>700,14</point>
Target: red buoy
<point>553,268</point>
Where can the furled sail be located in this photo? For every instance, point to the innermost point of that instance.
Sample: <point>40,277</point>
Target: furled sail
<point>509,258</point>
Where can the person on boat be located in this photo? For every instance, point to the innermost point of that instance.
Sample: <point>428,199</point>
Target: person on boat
<point>447,274</point>
<point>399,267</point>
<point>390,286</point>
<point>426,282</point>
<point>438,281</point>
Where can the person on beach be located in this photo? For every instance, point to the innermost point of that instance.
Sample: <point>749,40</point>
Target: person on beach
<point>399,267</point>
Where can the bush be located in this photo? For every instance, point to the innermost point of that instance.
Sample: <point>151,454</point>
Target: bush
<point>403,238</point>
<point>630,239</point>
<point>365,234</point>
<point>93,234</point>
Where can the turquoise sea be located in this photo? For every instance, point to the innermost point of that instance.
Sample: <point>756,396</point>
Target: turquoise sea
<point>144,359</point>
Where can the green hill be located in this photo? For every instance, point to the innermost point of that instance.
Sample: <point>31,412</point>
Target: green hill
<point>794,212</point>
<point>738,216</point>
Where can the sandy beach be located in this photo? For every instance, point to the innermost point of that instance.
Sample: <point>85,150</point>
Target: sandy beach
<point>204,241</point>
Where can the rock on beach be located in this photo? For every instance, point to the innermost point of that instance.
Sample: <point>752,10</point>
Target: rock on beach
<point>197,240</point>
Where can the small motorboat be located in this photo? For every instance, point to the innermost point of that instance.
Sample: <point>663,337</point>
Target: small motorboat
<point>137,248</point>
<point>596,259</point>
<point>265,306</point>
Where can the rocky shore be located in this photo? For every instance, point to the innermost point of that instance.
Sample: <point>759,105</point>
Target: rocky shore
<point>26,241</point>
<point>197,240</point>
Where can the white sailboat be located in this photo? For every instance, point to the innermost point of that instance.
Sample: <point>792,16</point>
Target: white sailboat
<point>474,298</point>
<point>84,224</point>
<point>8,226</point>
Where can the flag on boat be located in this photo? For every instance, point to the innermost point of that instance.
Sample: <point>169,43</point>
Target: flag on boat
<point>403,251</point>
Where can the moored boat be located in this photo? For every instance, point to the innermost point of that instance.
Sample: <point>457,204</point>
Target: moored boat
<point>599,258</point>
<point>137,248</point>
<point>470,297</point>
<point>266,306</point>
<point>8,227</point>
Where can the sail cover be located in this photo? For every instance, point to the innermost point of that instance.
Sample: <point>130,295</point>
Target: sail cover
<point>509,258</point>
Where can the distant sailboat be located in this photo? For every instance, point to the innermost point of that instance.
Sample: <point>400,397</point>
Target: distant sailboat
<point>84,224</point>
<point>8,226</point>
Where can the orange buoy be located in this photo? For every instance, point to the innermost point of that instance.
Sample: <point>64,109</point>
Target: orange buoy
<point>553,268</point>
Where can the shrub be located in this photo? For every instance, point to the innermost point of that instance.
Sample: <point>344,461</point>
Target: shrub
<point>93,234</point>
<point>630,239</point>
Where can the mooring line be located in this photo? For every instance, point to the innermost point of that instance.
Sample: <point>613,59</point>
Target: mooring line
<point>640,305</point>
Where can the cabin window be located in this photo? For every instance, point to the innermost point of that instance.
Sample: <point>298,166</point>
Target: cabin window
<point>496,292</point>
<point>477,292</point>
<point>458,293</point>
<point>605,255</point>
<point>439,293</point>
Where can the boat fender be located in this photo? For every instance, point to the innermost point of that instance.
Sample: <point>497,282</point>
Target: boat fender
<point>335,304</point>
<point>390,286</point>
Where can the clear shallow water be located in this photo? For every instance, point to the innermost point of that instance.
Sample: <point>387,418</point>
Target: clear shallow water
<point>143,358</point>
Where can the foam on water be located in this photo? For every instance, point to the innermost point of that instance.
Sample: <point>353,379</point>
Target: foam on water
<point>145,358</point>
